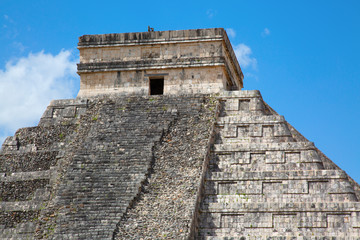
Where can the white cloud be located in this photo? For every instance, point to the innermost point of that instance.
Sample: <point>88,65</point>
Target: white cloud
<point>231,32</point>
<point>211,13</point>
<point>19,46</point>
<point>265,32</point>
<point>243,54</point>
<point>251,76</point>
<point>27,86</point>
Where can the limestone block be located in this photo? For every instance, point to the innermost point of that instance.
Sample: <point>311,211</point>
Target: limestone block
<point>285,187</point>
<point>256,104</point>
<point>241,158</point>
<point>48,112</point>
<point>281,129</point>
<point>236,221</point>
<point>257,157</point>
<point>285,221</point>
<point>232,105</point>
<point>258,220</point>
<point>274,157</point>
<point>230,131</point>
<point>312,220</point>
<point>249,187</point>
<point>211,220</point>
<point>316,187</point>
<point>242,131</point>
<point>292,157</point>
<point>69,112</point>
<point>295,187</point>
<point>255,130</point>
<point>339,221</point>
<point>10,144</point>
<point>244,105</point>
<point>268,131</point>
<point>57,112</point>
<point>355,219</point>
<point>340,186</point>
<point>23,176</point>
<point>309,156</point>
<point>226,188</point>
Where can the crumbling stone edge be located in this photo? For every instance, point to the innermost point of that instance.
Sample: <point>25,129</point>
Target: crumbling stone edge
<point>200,192</point>
<point>145,182</point>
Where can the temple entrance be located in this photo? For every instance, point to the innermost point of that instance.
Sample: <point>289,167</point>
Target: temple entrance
<point>157,86</point>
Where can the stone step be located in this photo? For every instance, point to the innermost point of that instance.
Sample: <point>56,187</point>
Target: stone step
<point>263,147</point>
<point>260,131</point>
<point>284,198</point>
<point>269,234</point>
<point>279,175</point>
<point>243,103</point>
<point>21,190</point>
<point>259,166</point>
<point>279,187</point>
<point>292,220</point>
<point>28,162</point>
<point>250,119</point>
<point>31,139</point>
<point>63,109</point>
<point>21,231</point>
<point>226,95</point>
<point>31,205</point>
<point>266,157</point>
<point>274,207</point>
<point>25,176</point>
<point>254,140</point>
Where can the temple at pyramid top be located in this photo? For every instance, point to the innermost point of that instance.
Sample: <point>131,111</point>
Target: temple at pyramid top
<point>158,62</point>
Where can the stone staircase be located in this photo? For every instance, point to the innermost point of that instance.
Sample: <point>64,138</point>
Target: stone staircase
<point>266,181</point>
<point>77,173</point>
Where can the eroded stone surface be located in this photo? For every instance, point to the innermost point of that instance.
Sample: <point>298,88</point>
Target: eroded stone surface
<point>266,181</point>
<point>165,207</point>
<point>188,61</point>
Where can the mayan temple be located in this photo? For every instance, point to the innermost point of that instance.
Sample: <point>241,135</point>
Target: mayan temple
<point>162,143</point>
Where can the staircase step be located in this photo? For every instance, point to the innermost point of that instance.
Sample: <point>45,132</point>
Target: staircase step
<point>27,162</point>
<point>250,119</point>
<point>273,207</point>
<point>284,146</point>
<point>279,175</point>
<point>31,205</point>
<point>24,176</point>
<point>21,231</point>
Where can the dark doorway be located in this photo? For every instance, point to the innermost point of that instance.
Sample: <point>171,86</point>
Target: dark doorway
<point>157,86</point>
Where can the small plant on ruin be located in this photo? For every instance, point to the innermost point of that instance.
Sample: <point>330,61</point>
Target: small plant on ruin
<point>61,136</point>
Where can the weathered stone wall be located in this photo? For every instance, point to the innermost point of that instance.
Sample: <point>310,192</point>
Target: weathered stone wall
<point>88,160</point>
<point>141,52</point>
<point>193,80</point>
<point>167,204</point>
<point>266,181</point>
<point>165,167</point>
<point>28,164</point>
<point>192,61</point>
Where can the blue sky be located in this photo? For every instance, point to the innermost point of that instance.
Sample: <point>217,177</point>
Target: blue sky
<point>302,55</point>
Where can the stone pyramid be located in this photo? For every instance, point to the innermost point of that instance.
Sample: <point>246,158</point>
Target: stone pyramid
<point>198,158</point>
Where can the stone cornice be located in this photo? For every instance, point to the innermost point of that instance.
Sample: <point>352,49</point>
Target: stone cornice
<point>151,64</point>
<point>158,37</point>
